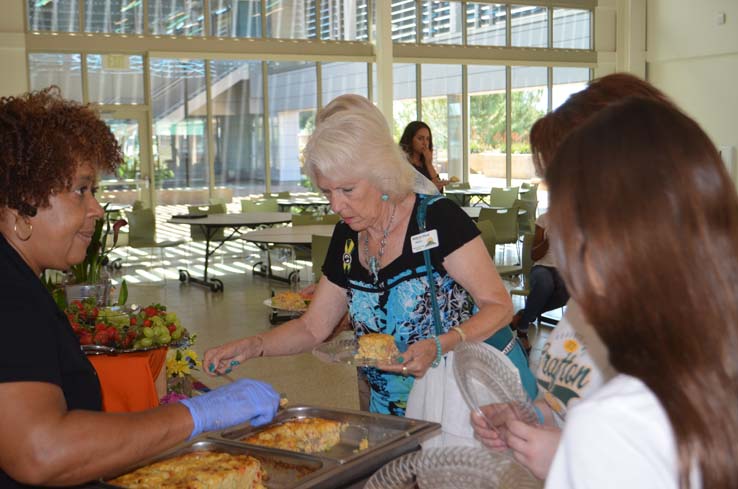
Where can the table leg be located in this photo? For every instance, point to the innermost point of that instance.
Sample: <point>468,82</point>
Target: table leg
<point>213,284</point>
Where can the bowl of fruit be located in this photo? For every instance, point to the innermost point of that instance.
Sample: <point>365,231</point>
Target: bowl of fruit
<point>121,329</point>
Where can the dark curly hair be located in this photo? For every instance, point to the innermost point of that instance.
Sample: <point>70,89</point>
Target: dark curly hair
<point>43,139</point>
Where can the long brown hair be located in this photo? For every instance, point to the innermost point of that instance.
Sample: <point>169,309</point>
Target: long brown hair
<point>646,224</point>
<point>549,131</point>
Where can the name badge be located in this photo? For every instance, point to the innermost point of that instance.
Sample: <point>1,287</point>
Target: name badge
<point>424,241</point>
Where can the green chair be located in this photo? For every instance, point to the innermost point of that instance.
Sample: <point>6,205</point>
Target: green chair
<point>523,269</point>
<point>527,221</point>
<point>488,235</point>
<point>142,233</point>
<point>530,193</point>
<point>318,250</point>
<point>503,197</point>
<point>505,222</point>
<point>196,232</point>
<point>259,205</point>
<point>455,198</point>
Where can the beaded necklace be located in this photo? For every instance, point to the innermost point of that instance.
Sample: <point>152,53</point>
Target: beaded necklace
<point>375,262</point>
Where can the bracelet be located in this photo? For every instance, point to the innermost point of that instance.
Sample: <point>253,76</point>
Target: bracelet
<point>439,353</point>
<point>460,331</point>
<point>539,414</point>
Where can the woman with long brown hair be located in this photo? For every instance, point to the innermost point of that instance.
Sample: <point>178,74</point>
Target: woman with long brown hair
<point>573,362</point>
<point>645,219</point>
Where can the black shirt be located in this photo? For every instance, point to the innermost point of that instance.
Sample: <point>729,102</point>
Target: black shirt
<point>38,344</point>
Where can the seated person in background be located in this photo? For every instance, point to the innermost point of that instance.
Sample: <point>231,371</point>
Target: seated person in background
<point>547,289</point>
<point>417,143</point>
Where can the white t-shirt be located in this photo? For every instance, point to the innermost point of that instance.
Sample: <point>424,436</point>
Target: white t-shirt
<point>618,438</point>
<point>546,260</point>
<point>573,362</point>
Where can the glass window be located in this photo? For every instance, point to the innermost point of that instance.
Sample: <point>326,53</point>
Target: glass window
<point>442,22</point>
<point>341,78</point>
<point>404,102</point>
<point>292,19</point>
<point>529,26</point>
<point>485,24</point>
<point>567,81</point>
<point>176,17</point>
<point>572,28</point>
<point>344,21</point>
<point>54,16</point>
<point>62,70</point>
<point>235,18</point>
<point>238,118</point>
<point>403,20</point>
<point>115,79</point>
<point>487,161</point>
<point>441,99</point>
<point>529,103</point>
<point>293,99</point>
<point>178,106</point>
<point>114,16</point>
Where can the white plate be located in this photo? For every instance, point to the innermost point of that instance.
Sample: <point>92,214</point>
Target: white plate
<point>486,376</point>
<point>268,303</point>
<point>343,350</point>
<point>454,467</point>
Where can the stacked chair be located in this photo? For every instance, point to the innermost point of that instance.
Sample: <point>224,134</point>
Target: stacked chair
<point>503,198</point>
<point>505,223</point>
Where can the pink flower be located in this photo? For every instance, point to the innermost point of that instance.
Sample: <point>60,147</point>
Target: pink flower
<point>172,397</point>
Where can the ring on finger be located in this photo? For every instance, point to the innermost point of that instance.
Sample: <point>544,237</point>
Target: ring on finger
<point>404,371</point>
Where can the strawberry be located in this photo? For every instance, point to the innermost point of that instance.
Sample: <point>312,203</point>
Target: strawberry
<point>101,327</point>
<point>85,339</point>
<point>101,338</point>
<point>151,311</point>
<point>134,320</point>
<point>171,327</point>
<point>147,323</point>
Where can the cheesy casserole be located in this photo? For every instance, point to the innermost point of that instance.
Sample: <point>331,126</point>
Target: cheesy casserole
<point>197,470</point>
<point>306,435</point>
<point>378,346</point>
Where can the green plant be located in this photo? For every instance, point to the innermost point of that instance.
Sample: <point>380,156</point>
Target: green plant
<point>97,252</point>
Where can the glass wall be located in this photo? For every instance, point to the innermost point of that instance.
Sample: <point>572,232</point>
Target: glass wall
<point>441,110</point>
<point>62,70</point>
<point>486,24</point>
<point>179,111</point>
<point>529,102</point>
<point>237,92</point>
<point>341,78</point>
<point>293,101</point>
<point>115,79</point>
<point>487,124</point>
<point>195,126</point>
<point>405,103</point>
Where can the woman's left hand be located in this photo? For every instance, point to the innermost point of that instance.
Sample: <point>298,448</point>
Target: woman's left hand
<point>416,360</point>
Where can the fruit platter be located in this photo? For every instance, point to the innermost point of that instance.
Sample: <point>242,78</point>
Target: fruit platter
<point>120,329</point>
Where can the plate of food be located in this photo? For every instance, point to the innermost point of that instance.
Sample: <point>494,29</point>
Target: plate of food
<point>370,350</point>
<point>289,301</point>
<point>486,376</point>
<point>454,467</point>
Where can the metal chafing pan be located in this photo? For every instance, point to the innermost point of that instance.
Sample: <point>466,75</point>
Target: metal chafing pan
<point>388,437</point>
<point>285,470</point>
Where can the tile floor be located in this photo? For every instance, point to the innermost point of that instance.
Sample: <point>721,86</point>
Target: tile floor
<point>239,311</point>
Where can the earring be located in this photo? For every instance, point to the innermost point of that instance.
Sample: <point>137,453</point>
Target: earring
<point>30,230</point>
<point>385,197</point>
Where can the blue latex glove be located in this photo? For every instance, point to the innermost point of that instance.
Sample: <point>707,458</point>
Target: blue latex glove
<point>237,402</point>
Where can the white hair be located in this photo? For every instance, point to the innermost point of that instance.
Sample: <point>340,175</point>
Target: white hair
<point>352,138</point>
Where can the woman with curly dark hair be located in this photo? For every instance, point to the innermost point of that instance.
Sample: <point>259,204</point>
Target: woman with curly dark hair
<point>52,431</point>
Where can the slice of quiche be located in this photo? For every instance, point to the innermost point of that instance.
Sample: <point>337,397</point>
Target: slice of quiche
<point>306,435</point>
<point>197,470</point>
<point>378,346</point>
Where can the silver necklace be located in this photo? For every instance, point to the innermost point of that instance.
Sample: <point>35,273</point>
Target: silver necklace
<point>375,262</point>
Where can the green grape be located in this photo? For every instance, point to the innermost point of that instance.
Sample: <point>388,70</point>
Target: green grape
<point>137,344</point>
<point>170,317</point>
<point>177,334</point>
<point>158,321</point>
<point>148,332</point>
<point>145,342</point>
<point>164,339</point>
